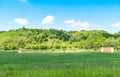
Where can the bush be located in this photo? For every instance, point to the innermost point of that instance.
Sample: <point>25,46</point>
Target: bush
<point>57,46</point>
<point>43,47</point>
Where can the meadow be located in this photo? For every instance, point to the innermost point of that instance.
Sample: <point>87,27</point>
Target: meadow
<point>79,64</point>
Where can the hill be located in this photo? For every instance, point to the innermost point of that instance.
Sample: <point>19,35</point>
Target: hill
<point>56,39</point>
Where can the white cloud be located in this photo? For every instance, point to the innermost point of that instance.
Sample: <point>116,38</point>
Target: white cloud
<point>22,21</point>
<point>70,22</point>
<point>116,24</point>
<point>82,25</point>
<point>23,0</point>
<point>48,20</point>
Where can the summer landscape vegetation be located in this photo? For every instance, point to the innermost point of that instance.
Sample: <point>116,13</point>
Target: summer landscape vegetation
<point>59,38</point>
<point>52,53</point>
<point>44,39</point>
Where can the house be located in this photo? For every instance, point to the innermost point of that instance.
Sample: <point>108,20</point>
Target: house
<point>107,48</point>
<point>20,50</point>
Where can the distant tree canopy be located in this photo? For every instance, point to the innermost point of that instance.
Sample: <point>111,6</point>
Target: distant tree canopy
<point>56,39</point>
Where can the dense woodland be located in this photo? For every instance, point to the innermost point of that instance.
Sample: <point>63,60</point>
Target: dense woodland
<point>56,39</point>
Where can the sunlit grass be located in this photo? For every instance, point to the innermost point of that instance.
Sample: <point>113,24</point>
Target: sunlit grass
<point>83,64</point>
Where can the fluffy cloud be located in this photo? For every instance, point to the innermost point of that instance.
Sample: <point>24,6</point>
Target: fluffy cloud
<point>48,20</point>
<point>23,0</point>
<point>74,23</point>
<point>22,21</point>
<point>116,24</point>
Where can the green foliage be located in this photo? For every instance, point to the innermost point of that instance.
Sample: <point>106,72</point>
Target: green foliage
<point>48,39</point>
<point>43,47</point>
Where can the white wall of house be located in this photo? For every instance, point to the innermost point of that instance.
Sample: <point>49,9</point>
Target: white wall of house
<point>112,49</point>
<point>102,49</point>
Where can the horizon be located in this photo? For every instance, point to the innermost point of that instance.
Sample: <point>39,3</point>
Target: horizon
<point>61,15</point>
<point>55,29</point>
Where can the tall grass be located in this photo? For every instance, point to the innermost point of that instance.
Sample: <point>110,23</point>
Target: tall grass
<point>84,64</point>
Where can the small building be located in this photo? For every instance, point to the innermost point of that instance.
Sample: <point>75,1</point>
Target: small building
<point>107,48</point>
<point>20,50</point>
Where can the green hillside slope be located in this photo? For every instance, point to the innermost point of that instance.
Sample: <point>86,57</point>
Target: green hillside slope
<point>56,39</point>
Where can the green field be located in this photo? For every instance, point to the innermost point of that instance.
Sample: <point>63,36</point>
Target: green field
<point>83,64</point>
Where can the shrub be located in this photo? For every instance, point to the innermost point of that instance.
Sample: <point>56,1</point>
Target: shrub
<point>43,47</point>
<point>57,46</point>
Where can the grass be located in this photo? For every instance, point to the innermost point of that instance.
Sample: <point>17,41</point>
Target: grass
<point>83,64</point>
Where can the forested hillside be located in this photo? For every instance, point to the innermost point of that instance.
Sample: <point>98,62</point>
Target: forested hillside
<point>56,39</point>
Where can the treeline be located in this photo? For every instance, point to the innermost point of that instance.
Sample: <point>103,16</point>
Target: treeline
<point>56,39</point>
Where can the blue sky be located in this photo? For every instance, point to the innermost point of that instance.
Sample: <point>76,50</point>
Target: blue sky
<point>60,14</point>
